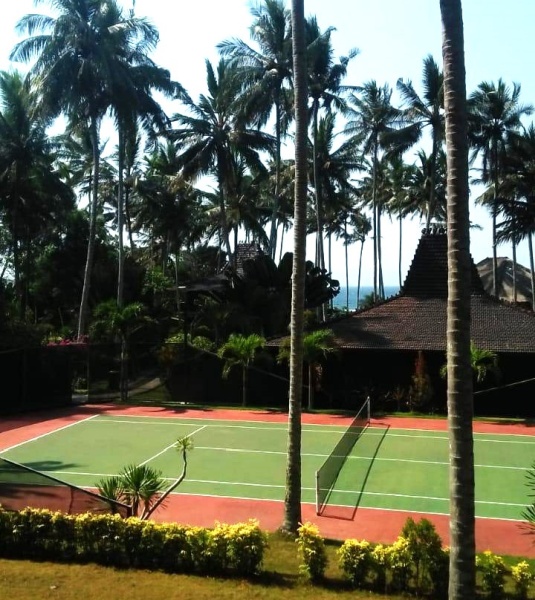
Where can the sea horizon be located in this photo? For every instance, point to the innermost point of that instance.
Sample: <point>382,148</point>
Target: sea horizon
<point>365,290</point>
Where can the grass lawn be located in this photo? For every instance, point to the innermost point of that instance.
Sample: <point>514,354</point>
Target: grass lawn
<point>280,579</point>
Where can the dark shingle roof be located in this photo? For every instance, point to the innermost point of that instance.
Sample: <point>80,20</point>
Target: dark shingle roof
<point>416,318</point>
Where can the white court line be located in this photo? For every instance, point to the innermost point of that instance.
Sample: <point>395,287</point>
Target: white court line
<point>276,429</point>
<point>368,458</point>
<point>370,432</point>
<point>308,489</point>
<point>38,437</point>
<point>284,424</point>
<point>169,447</point>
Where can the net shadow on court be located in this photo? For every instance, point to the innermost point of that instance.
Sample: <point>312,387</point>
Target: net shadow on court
<point>344,497</point>
<point>22,486</point>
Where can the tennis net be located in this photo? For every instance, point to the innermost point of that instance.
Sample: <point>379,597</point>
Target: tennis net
<point>327,474</point>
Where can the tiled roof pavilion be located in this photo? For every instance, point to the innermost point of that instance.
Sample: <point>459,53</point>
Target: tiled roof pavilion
<point>415,319</point>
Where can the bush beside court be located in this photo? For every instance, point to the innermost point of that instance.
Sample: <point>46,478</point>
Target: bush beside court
<point>132,543</point>
<point>416,563</point>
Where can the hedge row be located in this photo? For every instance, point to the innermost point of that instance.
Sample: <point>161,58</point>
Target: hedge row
<point>415,563</point>
<point>111,540</point>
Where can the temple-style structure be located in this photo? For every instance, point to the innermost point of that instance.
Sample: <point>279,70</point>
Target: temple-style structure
<point>380,345</point>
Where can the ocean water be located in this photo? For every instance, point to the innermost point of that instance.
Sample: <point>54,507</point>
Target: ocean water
<point>340,300</point>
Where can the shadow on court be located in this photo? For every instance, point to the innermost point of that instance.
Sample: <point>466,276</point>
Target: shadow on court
<point>356,471</point>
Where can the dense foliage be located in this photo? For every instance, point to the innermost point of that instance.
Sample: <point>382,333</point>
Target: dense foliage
<point>151,228</point>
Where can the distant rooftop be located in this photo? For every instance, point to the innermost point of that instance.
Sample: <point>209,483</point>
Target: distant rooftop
<point>415,319</point>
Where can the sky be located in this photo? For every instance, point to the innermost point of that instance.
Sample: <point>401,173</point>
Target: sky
<point>393,37</point>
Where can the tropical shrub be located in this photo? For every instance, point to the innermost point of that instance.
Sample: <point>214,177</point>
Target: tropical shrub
<point>493,570</point>
<point>522,577</point>
<point>312,552</point>
<point>236,548</point>
<point>399,563</point>
<point>110,540</point>
<point>356,560</point>
<point>429,560</point>
<point>379,557</point>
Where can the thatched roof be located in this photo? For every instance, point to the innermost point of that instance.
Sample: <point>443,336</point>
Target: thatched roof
<point>505,279</point>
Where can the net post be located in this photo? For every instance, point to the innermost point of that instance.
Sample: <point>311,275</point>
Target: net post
<point>317,493</point>
<point>369,414</point>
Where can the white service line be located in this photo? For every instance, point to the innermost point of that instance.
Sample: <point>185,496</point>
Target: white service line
<point>48,433</point>
<point>169,447</point>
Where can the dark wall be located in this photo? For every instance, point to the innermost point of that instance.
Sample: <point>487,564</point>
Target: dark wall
<point>35,378</point>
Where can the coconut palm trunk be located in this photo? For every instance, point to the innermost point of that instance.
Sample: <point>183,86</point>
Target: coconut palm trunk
<point>532,269</point>
<point>292,499</point>
<point>120,218</point>
<point>460,401</point>
<point>93,209</point>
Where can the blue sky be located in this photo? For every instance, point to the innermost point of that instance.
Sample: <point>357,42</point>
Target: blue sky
<point>393,37</point>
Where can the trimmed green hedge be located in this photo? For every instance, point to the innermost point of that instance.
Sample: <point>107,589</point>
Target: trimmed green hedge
<point>113,541</point>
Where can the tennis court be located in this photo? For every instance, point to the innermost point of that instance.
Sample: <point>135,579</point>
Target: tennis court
<point>388,468</point>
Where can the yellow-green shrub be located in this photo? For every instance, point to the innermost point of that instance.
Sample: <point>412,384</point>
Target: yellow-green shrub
<point>236,548</point>
<point>523,577</point>
<point>379,558</point>
<point>356,560</point>
<point>429,561</point>
<point>111,540</point>
<point>399,563</point>
<point>312,551</point>
<point>493,571</point>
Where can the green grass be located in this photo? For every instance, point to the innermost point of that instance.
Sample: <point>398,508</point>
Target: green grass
<point>280,580</point>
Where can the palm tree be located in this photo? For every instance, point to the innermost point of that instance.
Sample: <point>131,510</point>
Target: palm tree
<point>324,89</point>
<point>33,197</point>
<point>123,321</point>
<point>136,485</point>
<point>380,126</point>
<point>134,105</point>
<point>215,136</point>
<point>495,117</point>
<point>361,228</point>
<point>167,210</point>
<point>483,362</point>
<point>397,188</point>
<point>78,71</point>
<point>427,111</point>
<point>462,584</point>
<point>518,189</point>
<point>240,350</point>
<point>266,74</point>
<point>292,498</point>
<point>316,345</point>
<point>331,169</point>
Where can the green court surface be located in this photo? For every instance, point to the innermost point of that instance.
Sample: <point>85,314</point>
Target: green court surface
<point>397,469</point>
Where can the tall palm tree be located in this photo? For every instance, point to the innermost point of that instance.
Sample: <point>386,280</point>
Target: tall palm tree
<point>518,189</point>
<point>167,210</point>
<point>427,111</point>
<point>495,114</point>
<point>381,127</point>
<point>325,90</point>
<point>214,136</point>
<point>331,169</point>
<point>398,177</point>
<point>33,197</point>
<point>292,498</point>
<point>462,584</point>
<point>79,70</point>
<point>266,74</point>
